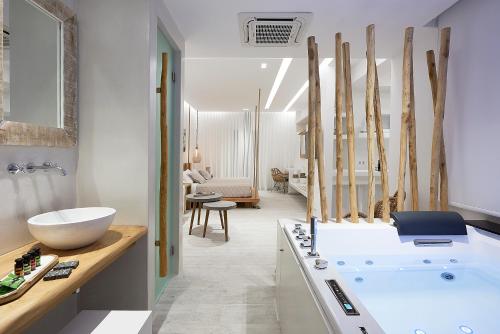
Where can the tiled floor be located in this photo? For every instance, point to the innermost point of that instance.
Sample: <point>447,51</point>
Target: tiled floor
<point>228,287</point>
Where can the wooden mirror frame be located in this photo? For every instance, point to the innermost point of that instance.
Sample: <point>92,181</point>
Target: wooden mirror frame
<point>16,133</point>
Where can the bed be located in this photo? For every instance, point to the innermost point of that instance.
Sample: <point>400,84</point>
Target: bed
<point>237,187</point>
<point>239,190</point>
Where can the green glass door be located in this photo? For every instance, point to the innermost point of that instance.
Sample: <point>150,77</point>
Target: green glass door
<point>164,46</point>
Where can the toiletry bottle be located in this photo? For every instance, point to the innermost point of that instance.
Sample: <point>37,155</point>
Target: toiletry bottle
<point>27,264</point>
<point>32,255</point>
<point>37,256</point>
<point>18,268</point>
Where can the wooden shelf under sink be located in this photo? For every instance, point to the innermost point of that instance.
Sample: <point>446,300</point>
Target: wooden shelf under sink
<point>19,314</point>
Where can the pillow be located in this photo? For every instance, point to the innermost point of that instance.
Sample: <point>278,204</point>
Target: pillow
<point>186,178</point>
<point>197,178</point>
<point>205,174</point>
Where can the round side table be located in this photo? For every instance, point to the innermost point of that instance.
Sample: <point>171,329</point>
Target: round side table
<point>197,201</point>
<point>222,207</point>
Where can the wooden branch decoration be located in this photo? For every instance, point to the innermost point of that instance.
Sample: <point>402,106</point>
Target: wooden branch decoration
<point>350,132</point>
<point>369,105</point>
<point>437,132</point>
<point>412,141</point>
<point>319,141</point>
<point>339,78</point>
<point>257,140</point>
<point>311,125</point>
<point>255,148</point>
<point>405,114</point>
<point>163,165</point>
<point>443,171</point>
<point>384,178</point>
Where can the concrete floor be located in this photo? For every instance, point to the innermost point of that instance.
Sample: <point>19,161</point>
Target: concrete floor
<point>228,287</point>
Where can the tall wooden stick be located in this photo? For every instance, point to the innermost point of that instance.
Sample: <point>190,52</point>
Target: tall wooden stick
<point>163,165</point>
<point>311,128</point>
<point>408,46</point>
<point>412,141</point>
<point>353,198</point>
<point>437,132</point>
<point>339,78</point>
<point>443,171</point>
<point>257,137</point>
<point>369,105</point>
<point>255,148</point>
<point>384,178</point>
<point>189,136</point>
<point>319,141</point>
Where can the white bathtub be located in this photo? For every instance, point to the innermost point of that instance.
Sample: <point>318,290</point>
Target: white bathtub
<point>395,286</point>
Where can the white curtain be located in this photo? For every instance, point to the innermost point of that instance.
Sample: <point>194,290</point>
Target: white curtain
<point>226,143</point>
<point>279,145</point>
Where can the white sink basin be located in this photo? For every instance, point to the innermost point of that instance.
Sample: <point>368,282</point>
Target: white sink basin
<point>72,228</point>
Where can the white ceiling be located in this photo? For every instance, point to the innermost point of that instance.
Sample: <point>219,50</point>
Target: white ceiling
<point>210,27</point>
<point>231,84</point>
<point>223,75</point>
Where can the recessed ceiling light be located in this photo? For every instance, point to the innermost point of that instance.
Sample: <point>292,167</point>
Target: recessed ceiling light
<point>263,66</point>
<point>285,63</point>
<point>245,109</point>
<point>302,89</point>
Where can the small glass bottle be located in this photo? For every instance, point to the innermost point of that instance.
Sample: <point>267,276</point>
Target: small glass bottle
<point>27,264</point>
<point>32,255</point>
<point>18,268</point>
<point>38,256</point>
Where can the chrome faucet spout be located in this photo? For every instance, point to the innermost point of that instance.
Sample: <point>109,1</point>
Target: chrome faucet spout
<point>46,166</point>
<point>314,230</point>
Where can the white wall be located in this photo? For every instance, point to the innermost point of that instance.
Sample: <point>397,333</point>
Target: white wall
<point>113,166</point>
<point>118,109</point>
<point>472,118</point>
<point>26,195</point>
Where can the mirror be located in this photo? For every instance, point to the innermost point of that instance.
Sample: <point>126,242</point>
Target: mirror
<point>39,73</point>
<point>32,64</point>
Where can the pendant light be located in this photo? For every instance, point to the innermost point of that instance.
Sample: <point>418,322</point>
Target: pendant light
<point>196,155</point>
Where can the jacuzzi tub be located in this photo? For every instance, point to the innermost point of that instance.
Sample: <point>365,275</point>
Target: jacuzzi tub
<point>393,285</point>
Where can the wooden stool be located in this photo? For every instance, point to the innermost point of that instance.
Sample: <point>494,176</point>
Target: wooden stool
<point>197,202</point>
<point>222,207</point>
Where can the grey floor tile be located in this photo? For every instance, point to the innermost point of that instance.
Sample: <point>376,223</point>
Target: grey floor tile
<point>228,287</point>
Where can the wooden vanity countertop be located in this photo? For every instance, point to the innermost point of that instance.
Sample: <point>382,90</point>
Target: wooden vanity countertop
<point>19,314</point>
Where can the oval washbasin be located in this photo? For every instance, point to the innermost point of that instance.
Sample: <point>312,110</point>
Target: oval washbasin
<point>71,228</point>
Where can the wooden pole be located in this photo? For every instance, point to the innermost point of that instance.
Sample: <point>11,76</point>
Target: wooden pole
<point>163,165</point>
<point>189,137</point>
<point>2,110</point>
<point>257,136</point>
<point>319,141</point>
<point>384,178</point>
<point>339,78</point>
<point>311,131</point>
<point>412,141</point>
<point>255,148</point>
<point>408,45</point>
<point>437,132</point>
<point>369,105</point>
<point>353,200</point>
<point>443,170</point>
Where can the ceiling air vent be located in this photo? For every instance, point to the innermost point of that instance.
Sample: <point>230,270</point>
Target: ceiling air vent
<point>273,29</point>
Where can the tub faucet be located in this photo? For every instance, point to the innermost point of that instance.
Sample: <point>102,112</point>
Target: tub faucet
<point>314,230</point>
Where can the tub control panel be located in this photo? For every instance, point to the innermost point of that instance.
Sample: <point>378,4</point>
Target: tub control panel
<point>339,294</point>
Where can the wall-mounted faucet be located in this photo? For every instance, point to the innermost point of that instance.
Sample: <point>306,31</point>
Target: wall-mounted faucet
<point>31,168</point>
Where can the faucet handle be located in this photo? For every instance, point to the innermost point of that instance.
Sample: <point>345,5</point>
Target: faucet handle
<point>14,168</point>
